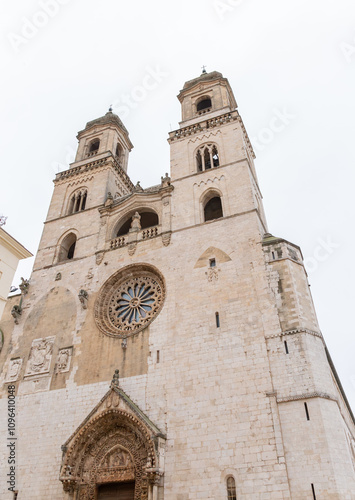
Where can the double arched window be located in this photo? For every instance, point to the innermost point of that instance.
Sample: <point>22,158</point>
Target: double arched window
<point>207,157</point>
<point>77,201</point>
<point>231,489</point>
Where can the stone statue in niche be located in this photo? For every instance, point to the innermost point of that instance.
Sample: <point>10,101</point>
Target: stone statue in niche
<point>40,356</point>
<point>136,222</point>
<point>14,370</point>
<point>63,360</point>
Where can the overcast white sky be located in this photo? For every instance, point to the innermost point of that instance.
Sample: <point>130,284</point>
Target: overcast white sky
<point>296,58</point>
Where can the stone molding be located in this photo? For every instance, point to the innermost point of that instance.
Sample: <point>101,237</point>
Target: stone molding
<point>106,161</point>
<point>310,395</point>
<point>294,332</point>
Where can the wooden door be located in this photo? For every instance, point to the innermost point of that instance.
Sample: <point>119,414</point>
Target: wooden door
<point>116,491</point>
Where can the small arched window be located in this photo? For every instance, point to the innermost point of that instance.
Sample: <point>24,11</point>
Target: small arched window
<point>77,201</point>
<point>67,248</point>
<point>204,105</point>
<point>213,209</point>
<point>231,489</point>
<point>147,219</point>
<point>207,157</point>
<point>94,147</point>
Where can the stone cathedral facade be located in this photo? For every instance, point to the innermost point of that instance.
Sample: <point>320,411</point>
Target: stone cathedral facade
<point>166,346</point>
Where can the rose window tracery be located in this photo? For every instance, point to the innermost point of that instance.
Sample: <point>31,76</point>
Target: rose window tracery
<point>129,301</point>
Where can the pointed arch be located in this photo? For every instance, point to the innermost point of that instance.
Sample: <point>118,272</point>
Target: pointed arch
<point>67,246</point>
<point>115,444</point>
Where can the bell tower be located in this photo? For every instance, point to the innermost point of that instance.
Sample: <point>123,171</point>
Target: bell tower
<point>97,176</point>
<point>104,135</point>
<point>211,146</point>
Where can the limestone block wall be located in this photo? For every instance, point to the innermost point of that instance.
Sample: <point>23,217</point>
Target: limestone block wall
<point>228,138</point>
<point>232,183</point>
<point>208,390</point>
<point>316,450</point>
<point>212,389</point>
<point>291,289</point>
<point>44,422</point>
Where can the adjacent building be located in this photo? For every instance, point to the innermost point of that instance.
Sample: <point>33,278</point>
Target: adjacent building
<point>11,252</point>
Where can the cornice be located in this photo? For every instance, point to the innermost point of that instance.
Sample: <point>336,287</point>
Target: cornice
<point>108,160</point>
<point>205,125</point>
<point>309,395</point>
<point>13,245</point>
<point>157,193</point>
<point>295,331</point>
<point>202,126</point>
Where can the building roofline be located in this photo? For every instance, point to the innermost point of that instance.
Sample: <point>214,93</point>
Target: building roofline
<point>13,245</point>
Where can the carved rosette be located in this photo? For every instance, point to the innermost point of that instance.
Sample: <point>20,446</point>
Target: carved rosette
<point>115,446</point>
<point>129,301</point>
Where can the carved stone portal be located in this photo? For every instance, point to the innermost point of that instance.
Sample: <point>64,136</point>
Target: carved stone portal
<point>117,443</point>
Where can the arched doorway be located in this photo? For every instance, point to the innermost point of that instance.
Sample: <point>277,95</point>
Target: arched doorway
<point>116,491</point>
<point>113,455</point>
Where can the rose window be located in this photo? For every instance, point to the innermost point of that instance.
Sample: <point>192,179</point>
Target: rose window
<point>129,301</point>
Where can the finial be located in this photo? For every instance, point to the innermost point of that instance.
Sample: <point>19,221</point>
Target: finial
<point>116,379</point>
<point>204,70</point>
<point>2,220</point>
<point>110,108</point>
